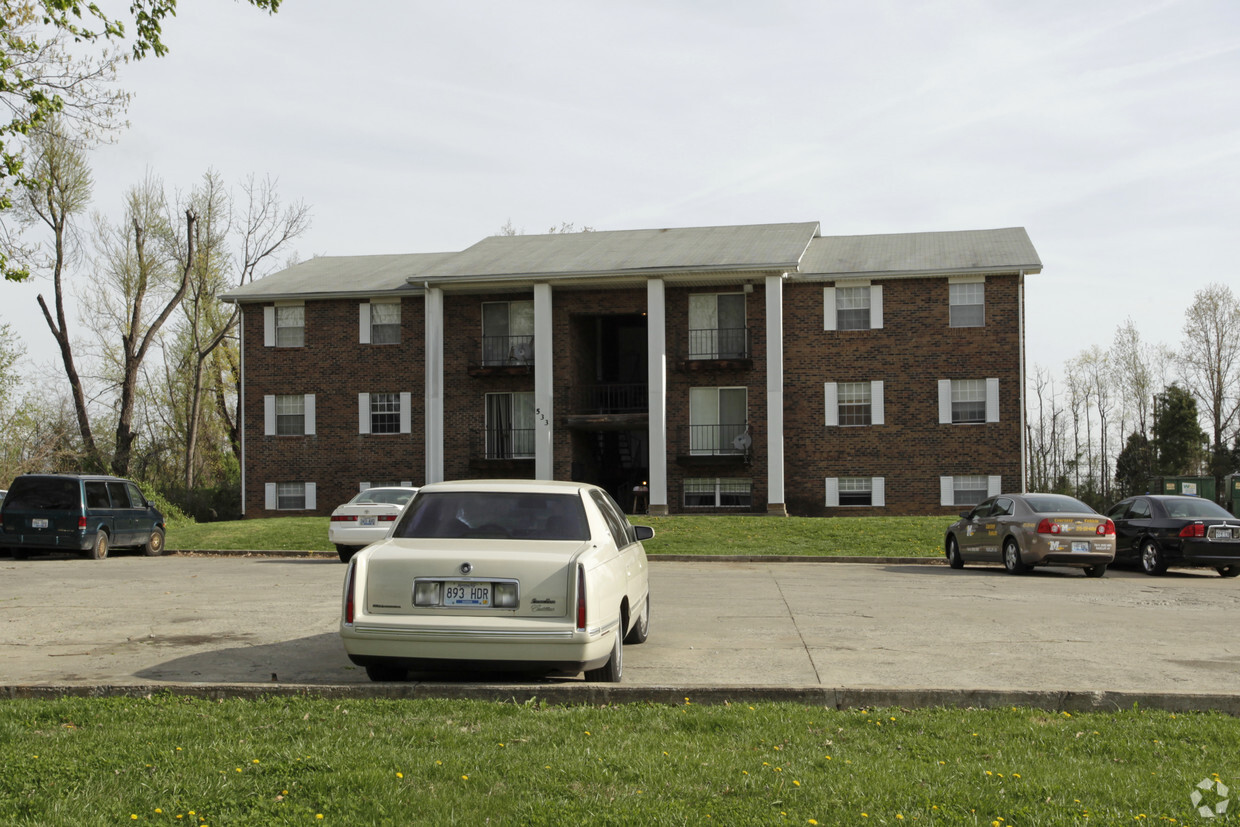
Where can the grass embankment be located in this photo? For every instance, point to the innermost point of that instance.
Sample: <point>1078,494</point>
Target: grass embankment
<point>277,761</point>
<point>697,535</point>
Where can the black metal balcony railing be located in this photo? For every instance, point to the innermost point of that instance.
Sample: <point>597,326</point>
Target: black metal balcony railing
<point>718,440</point>
<point>719,343</point>
<point>610,399</point>
<point>503,443</point>
<point>501,351</point>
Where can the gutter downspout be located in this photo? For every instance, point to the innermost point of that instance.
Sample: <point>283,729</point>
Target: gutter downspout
<point>1020,325</point>
<point>241,399</point>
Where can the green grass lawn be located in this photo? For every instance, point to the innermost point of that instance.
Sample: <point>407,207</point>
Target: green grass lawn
<point>698,535</point>
<point>307,761</point>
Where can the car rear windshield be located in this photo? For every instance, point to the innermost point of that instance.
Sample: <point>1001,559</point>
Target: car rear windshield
<point>44,494</point>
<point>388,496</point>
<point>495,515</point>
<point>1051,503</point>
<point>1195,508</point>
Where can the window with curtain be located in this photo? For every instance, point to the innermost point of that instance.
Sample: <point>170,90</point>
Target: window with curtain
<point>508,333</point>
<point>509,425</point>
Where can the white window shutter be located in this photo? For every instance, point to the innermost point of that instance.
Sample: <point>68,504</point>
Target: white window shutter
<point>828,308</point>
<point>994,486</point>
<point>876,403</point>
<point>364,486</point>
<point>992,400</point>
<point>363,413</point>
<point>945,401</point>
<point>876,307</point>
<point>312,499</point>
<point>269,326</point>
<point>878,491</point>
<point>269,415</point>
<point>947,491</point>
<point>832,402</point>
<point>833,492</point>
<point>269,496</point>
<point>406,413</point>
<point>309,414</point>
<point>363,323</point>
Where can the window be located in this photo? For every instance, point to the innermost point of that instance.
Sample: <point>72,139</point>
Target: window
<point>380,323</point>
<point>856,491</point>
<point>508,333</point>
<point>717,326</point>
<point>968,490</point>
<point>854,403</point>
<point>718,421</point>
<point>718,493</point>
<point>963,401</point>
<point>291,326</point>
<point>384,413</point>
<point>509,425</point>
<point>853,307</point>
<point>290,496</point>
<point>290,415</point>
<point>967,303</point>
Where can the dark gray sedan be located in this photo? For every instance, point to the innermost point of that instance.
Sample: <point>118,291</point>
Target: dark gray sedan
<point>1161,530</point>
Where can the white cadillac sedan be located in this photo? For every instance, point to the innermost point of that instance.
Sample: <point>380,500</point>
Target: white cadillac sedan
<point>366,518</point>
<point>504,575</point>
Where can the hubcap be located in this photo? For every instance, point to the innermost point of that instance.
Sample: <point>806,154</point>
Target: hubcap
<point>1149,557</point>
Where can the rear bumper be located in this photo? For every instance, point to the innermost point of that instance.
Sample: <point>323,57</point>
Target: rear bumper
<point>75,541</point>
<point>1205,553</point>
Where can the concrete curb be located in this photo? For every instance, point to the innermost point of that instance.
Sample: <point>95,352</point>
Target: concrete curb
<point>1059,701</point>
<point>654,558</point>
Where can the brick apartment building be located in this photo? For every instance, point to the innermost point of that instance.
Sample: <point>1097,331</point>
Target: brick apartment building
<point>762,368</point>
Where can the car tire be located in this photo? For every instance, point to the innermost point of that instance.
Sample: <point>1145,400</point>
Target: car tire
<point>99,551</point>
<point>641,629</point>
<point>1096,571</point>
<point>345,552</point>
<point>953,554</point>
<point>386,672</point>
<point>1152,559</point>
<point>1011,557</point>
<point>611,671</point>
<point>1228,571</point>
<point>154,544</point>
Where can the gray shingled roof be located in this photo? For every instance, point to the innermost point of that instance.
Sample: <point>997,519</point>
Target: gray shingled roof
<point>967,251</point>
<point>697,249</point>
<point>339,276</point>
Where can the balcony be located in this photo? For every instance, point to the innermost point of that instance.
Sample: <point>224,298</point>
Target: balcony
<point>503,355</point>
<point>718,349</point>
<point>715,445</point>
<point>611,406</point>
<point>501,448</point>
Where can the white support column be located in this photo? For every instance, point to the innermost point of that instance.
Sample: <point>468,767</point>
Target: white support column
<point>775,396</point>
<point>434,385</point>
<point>241,397</point>
<point>544,386</point>
<point>656,360</point>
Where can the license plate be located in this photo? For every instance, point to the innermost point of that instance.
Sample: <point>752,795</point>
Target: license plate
<point>467,594</point>
<point>38,522</point>
<point>1080,545</point>
<point>1222,533</point>
<point>367,521</point>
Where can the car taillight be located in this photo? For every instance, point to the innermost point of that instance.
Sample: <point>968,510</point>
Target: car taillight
<point>1047,527</point>
<point>581,598</point>
<point>386,518</point>
<point>1194,530</point>
<point>343,518</point>
<point>1106,529</point>
<point>81,523</point>
<point>348,594</point>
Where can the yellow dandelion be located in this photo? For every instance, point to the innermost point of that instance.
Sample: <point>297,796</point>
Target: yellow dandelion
<point>464,777</point>
<point>1016,775</point>
<point>811,821</point>
<point>400,775</point>
<point>318,816</point>
<point>255,761</point>
<point>828,757</point>
<point>796,783</point>
<point>899,817</point>
<point>587,732</point>
<point>157,810</point>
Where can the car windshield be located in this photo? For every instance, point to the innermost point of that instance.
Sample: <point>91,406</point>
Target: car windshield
<point>44,494</point>
<point>1195,508</point>
<point>1056,503</point>
<point>386,496</point>
<point>495,515</point>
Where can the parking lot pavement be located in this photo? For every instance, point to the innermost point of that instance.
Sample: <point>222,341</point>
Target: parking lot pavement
<point>264,621</point>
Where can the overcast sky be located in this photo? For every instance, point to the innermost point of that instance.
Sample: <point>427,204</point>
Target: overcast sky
<point>1110,129</point>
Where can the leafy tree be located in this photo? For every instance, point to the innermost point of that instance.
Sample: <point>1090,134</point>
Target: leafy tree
<point>1210,361</point>
<point>1178,438</point>
<point>1134,466</point>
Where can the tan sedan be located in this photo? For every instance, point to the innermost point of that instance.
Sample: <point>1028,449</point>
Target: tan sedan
<point>1027,530</point>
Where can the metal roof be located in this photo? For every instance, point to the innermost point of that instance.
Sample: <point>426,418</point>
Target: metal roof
<point>618,252</point>
<point>1006,250</point>
<point>339,276</point>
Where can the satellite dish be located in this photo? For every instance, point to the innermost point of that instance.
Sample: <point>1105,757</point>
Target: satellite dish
<point>522,351</point>
<point>742,441</point>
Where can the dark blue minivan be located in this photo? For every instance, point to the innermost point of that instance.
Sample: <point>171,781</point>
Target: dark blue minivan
<point>82,513</point>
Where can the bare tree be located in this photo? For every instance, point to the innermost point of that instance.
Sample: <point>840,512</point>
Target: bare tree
<point>1210,362</point>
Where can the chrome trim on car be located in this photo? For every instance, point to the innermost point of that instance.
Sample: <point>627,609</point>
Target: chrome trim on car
<point>466,634</point>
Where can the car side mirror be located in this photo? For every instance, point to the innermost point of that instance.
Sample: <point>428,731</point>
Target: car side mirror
<point>643,532</point>
<point>964,515</point>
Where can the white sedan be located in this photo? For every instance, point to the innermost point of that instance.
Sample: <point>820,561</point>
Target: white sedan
<point>366,518</point>
<point>504,575</point>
